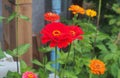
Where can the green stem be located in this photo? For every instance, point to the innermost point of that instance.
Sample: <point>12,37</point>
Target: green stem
<point>74,19</point>
<point>98,20</point>
<point>17,6</point>
<point>89,18</point>
<point>90,75</point>
<point>99,13</point>
<point>74,56</point>
<point>67,58</point>
<point>98,76</point>
<point>68,55</point>
<point>55,62</point>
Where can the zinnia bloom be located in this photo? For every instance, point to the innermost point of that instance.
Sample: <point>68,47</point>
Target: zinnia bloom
<point>97,67</point>
<point>57,34</point>
<point>29,74</point>
<point>76,9</point>
<point>91,13</point>
<point>51,17</point>
<point>76,32</point>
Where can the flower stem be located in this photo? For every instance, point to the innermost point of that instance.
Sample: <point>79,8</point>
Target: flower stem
<point>98,20</point>
<point>99,13</point>
<point>89,18</point>
<point>17,59</point>
<point>55,62</point>
<point>90,75</point>
<point>67,58</point>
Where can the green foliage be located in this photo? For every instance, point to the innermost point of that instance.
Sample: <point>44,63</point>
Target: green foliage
<point>12,16</point>
<point>45,49</point>
<point>13,75</point>
<point>45,67</point>
<point>37,63</point>
<point>20,50</point>
<point>24,67</point>
<point>24,17</point>
<point>114,20</point>
<point>15,15</point>
<point>2,55</point>
<point>99,42</point>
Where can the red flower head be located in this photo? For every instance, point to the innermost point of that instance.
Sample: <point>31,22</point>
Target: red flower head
<point>29,74</point>
<point>51,17</point>
<point>57,34</point>
<point>76,32</point>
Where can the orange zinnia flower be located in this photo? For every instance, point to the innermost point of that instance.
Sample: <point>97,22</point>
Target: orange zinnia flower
<point>76,9</point>
<point>97,67</point>
<point>91,13</point>
<point>51,17</point>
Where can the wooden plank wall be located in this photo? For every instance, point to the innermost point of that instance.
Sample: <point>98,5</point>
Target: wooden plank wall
<point>24,32</point>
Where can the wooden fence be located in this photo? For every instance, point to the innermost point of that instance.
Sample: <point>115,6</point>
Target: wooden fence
<point>24,28</point>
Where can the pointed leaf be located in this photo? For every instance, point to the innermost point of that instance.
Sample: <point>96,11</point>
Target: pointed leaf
<point>112,21</point>
<point>11,17</point>
<point>20,50</point>
<point>37,63</point>
<point>24,17</point>
<point>45,49</point>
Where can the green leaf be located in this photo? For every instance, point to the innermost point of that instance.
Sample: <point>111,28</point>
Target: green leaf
<point>108,16</point>
<point>69,74</point>
<point>43,73</point>
<point>112,47</point>
<point>1,18</point>
<point>20,50</point>
<point>62,57</point>
<point>102,36</point>
<point>45,49</point>
<point>11,17</point>
<point>23,64</point>
<point>116,8</point>
<point>108,57</point>
<point>2,55</point>
<point>49,67</point>
<point>118,23</point>
<point>118,73</point>
<point>37,63</point>
<point>12,75</point>
<point>112,21</point>
<point>114,69</point>
<point>24,67</point>
<point>24,17</point>
<point>102,47</point>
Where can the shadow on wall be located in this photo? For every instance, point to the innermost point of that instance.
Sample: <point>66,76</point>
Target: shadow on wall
<point>37,15</point>
<point>1,30</point>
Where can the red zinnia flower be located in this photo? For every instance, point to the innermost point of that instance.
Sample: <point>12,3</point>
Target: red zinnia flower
<point>29,74</point>
<point>49,16</point>
<point>76,32</point>
<point>57,34</point>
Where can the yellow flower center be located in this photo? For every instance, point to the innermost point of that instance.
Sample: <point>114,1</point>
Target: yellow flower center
<point>30,75</point>
<point>56,33</point>
<point>73,32</point>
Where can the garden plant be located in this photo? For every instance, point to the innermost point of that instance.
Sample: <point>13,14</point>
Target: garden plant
<point>86,46</point>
